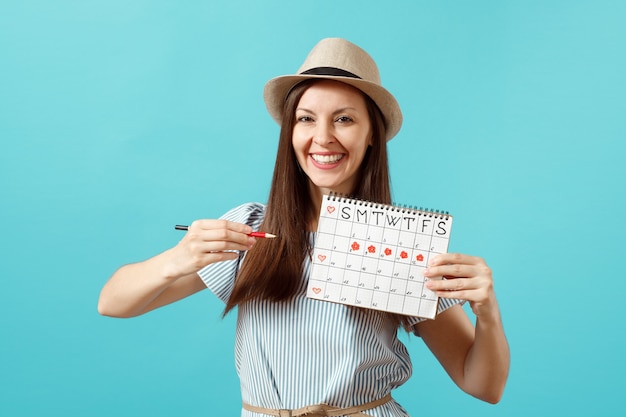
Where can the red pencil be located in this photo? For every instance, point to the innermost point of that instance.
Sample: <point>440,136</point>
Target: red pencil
<point>262,234</point>
<point>253,234</point>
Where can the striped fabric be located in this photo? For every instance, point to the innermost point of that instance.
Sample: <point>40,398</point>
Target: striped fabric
<point>304,352</point>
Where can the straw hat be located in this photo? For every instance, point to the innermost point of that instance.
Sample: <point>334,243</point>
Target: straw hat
<point>340,60</point>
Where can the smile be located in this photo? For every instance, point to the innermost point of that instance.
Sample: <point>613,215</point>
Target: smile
<point>327,159</point>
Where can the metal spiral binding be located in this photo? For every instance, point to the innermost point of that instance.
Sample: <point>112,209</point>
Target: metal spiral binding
<point>401,208</point>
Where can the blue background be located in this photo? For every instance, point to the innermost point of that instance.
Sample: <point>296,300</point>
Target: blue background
<point>119,119</point>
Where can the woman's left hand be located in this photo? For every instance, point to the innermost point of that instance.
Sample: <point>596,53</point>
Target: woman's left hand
<point>477,358</point>
<point>466,278</point>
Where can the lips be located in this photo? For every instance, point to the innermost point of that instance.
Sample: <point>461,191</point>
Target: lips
<point>327,159</point>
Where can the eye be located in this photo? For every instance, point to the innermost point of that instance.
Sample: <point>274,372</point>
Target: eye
<point>304,119</point>
<point>344,119</point>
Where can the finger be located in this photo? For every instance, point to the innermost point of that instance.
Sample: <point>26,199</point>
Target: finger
<point>240,244</point>
<point>462,289</point>
<point>226,235</point>
<point>217,241</point>
<point>220,231</point>
<point>201,260</point>
<point>212,257</point>
<point>450,271</point>
<point>212,224</point>
<point>455,258</point>
<point>457,295</point>
<point>476,289</point>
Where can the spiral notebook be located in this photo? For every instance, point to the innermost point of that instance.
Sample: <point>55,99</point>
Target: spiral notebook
<point>373,255</point>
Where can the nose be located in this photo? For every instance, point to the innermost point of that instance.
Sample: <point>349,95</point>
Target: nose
<point>323,134</point>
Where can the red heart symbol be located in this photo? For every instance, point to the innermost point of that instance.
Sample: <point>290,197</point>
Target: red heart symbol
<point>321,257</point>
<point>330,208</point>
<point>316,290</point>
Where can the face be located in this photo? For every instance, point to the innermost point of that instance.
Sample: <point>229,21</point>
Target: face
<point>331,135</point>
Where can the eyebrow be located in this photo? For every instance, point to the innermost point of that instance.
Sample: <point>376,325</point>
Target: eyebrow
<point>341,110</point>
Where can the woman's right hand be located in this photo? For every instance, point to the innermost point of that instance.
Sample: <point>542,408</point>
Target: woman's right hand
<point>137,288</point>
<point>207,242</point>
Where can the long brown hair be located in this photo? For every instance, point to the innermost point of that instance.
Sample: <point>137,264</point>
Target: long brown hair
<point>272,269</point>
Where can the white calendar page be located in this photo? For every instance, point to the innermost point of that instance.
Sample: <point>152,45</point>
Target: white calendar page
<point>373,256</point>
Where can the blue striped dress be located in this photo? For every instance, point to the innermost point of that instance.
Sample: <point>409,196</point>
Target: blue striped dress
<point>303,351</point>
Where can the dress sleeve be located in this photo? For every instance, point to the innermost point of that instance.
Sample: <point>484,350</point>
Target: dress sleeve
<point>444,304</point>
<point>219,277</point>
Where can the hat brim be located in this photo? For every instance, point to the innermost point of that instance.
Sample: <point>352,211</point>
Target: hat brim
<point>276,90</point>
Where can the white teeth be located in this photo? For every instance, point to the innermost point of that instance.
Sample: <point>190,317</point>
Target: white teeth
<point>326,159</point>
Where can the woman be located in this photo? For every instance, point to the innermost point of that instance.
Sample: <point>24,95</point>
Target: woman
<point>294,354</point>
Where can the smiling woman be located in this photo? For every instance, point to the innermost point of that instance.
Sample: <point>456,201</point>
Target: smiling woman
<point>294,354</point>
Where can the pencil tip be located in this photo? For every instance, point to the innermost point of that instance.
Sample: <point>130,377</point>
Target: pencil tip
<point>271,236</point>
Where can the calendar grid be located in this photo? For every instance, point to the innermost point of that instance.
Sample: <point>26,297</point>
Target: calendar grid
<point>373,255</point>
